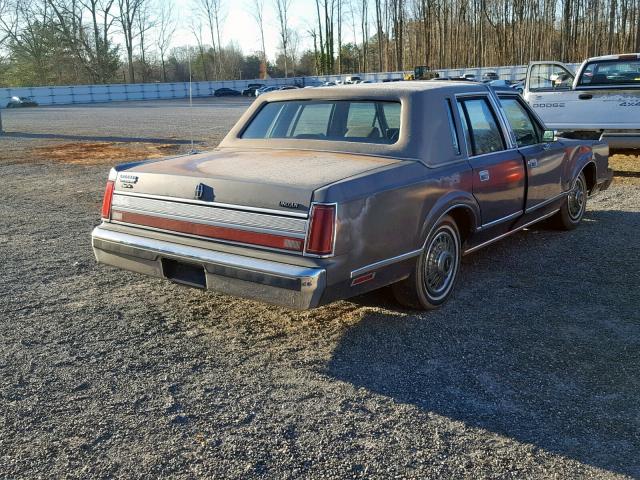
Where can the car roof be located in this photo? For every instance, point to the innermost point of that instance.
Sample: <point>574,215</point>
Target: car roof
<point>388,90</point>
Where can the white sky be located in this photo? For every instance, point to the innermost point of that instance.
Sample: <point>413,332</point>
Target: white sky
<point>241,28</point>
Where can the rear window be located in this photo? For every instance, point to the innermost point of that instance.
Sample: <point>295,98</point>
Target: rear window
<point>611,72</point>
<point>334,120</point>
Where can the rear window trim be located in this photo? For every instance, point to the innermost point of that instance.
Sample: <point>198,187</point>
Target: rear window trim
<point>241,133</point>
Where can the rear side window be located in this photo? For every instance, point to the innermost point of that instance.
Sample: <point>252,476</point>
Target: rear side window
<point>335,120</point>
<point>525,128</point>
<point>611,72</point>
<point>482,127</point>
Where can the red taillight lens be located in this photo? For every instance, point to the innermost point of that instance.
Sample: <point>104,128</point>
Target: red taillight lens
<point>106,201</point>
<point>321,230</point>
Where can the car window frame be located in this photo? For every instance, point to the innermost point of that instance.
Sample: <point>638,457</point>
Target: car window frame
<point>505,134</point>
<point>549,89</point>
<point>377,102</point>
<point>540,128</point>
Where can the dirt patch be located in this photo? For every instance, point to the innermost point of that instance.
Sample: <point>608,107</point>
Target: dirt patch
<point>626,169</point>
<point>95,153</point>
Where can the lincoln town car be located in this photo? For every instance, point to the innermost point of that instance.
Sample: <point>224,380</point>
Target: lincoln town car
<point>317,195</point>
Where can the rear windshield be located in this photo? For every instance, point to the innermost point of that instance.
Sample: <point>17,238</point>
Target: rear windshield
<point>611,72</point>
<point>335,120</point>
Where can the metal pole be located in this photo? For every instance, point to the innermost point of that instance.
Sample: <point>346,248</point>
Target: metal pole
<point>1,131</point>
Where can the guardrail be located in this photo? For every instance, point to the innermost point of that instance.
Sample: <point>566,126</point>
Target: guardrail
<point>74,94</point>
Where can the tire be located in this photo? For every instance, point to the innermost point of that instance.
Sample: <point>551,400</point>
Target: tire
<point>436,270</point>
<point>573,208</point>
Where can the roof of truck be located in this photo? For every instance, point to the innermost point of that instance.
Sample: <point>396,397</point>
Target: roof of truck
<point>621,56</point>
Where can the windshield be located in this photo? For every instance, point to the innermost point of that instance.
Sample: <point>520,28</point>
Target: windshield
<point>611,72</point>
<point>334,120</point>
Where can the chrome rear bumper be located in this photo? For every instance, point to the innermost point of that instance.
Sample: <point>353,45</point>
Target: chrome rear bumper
<point>272,282</point>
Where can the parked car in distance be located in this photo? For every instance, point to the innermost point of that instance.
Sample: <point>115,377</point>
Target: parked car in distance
<point>226,92</point>
<point>600,101</point>
<point>468,76</point>
<point>17,102</point>
<point>317,195</point>
<point>250,91</point>
<point>352,79</point>
<point>270,88</point>
<point>490,76</point>
<point>289,87</point>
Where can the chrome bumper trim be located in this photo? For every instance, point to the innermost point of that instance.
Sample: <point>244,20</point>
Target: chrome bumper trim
<point>621,140</point>
<point>283,284</point>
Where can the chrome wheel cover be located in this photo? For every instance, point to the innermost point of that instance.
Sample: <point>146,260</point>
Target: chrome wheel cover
<point>577,199</point>
<point>441,263</point>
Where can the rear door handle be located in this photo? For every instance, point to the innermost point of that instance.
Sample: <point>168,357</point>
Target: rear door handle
<point>585,96</point>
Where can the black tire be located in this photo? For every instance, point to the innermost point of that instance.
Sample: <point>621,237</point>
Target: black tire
<point>436,270</point>
<point>573,207</point>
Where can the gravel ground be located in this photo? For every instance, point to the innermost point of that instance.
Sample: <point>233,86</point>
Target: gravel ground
<point>532,370</point>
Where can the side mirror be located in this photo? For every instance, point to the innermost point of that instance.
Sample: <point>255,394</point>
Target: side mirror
<point>548,136</point>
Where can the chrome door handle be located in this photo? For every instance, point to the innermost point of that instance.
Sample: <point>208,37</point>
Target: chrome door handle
<point>532,162</point>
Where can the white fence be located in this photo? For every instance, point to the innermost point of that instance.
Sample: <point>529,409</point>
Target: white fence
<point>65,95</point>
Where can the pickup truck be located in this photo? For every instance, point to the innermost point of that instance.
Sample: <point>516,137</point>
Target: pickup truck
<point>601,101</point>
<point>322,194</point>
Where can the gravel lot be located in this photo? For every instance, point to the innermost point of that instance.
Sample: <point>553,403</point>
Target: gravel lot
<point>532,370</point>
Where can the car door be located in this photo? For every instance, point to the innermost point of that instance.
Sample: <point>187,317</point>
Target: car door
<point>544,159</point>
<point>548,90</point>
<point>498,170</point>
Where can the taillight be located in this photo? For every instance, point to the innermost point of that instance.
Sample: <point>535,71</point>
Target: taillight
<point>106,201</point>
<point>322,228</point>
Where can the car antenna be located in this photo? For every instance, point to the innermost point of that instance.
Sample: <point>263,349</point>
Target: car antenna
<point>193,150</point>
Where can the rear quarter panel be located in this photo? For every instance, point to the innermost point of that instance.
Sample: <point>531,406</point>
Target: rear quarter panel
<point>389,213</point>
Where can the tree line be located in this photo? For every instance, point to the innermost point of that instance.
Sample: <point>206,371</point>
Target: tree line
<point>45,42</point>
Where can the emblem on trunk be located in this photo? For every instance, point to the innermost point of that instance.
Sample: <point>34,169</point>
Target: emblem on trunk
<point>199,191</point>
<point>126,178</point>
<point>289,204</point>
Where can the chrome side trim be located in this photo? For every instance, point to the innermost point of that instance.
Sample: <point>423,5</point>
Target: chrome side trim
<point>384,263</point>
<point>215,204</point>
<point>499,237</point>
<point>207,214</point>
<point>499,220</point>
<point>546,202</point>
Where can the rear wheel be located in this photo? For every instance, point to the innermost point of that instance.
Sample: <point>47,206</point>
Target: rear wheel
<point>572,210</point>
<point>436,270</point>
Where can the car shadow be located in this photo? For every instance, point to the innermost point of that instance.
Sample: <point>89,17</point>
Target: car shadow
<point>540,343</point>
<point>94,138</point>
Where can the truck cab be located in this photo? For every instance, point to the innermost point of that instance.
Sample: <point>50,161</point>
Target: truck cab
<point>601,100</point>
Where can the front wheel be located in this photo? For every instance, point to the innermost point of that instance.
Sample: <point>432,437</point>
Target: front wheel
<point>573,208</point>
<point>436,270</point>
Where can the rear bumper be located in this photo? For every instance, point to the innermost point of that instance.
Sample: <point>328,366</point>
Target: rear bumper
<point>278,283</point>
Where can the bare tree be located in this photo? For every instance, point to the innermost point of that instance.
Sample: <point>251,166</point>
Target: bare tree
<point>282,10</point>
<point>129,10</point>
<point>166,28</point>
<point>144,22</point>
<point>196,29</point>
<point>257,12</point>
<point>212,12</point>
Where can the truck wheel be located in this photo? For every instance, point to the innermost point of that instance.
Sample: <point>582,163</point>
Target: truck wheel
<point>573,208</point>
<point>436,269</point>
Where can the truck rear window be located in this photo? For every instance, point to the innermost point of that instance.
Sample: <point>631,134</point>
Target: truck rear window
<point>333,120</point>
<point>611,72</point>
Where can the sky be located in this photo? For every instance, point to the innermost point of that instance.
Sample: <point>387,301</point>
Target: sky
<point>241,28</point>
